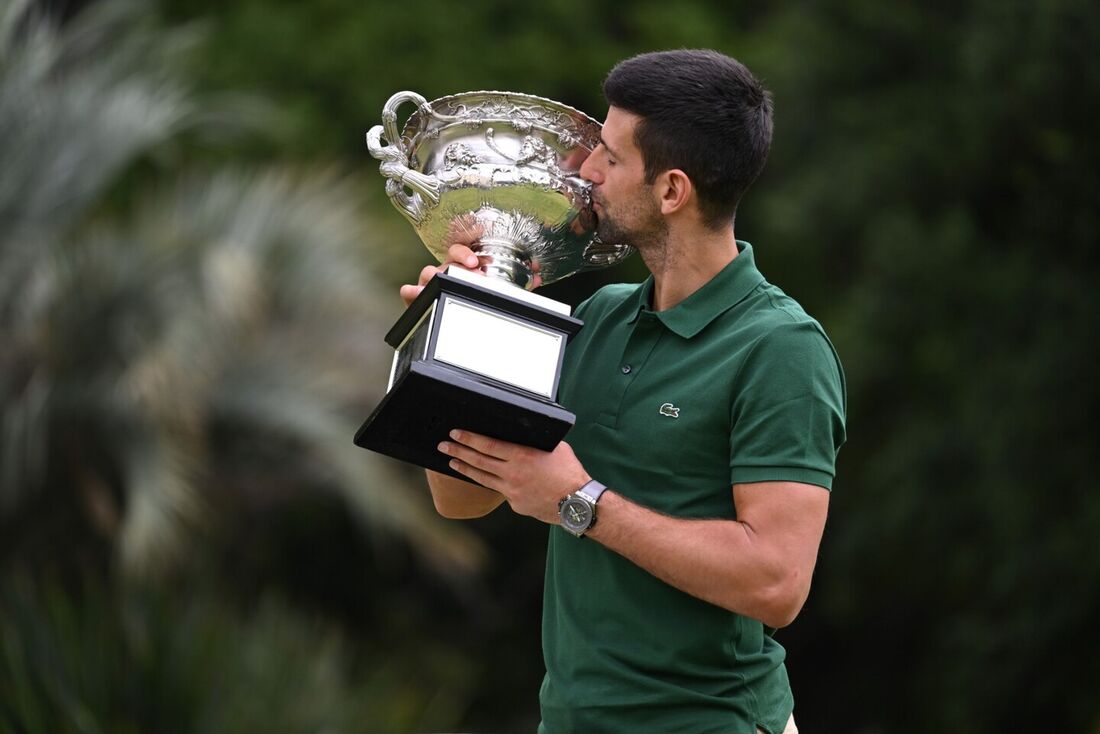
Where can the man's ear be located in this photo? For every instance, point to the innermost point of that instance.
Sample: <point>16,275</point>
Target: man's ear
<point>675,190</point>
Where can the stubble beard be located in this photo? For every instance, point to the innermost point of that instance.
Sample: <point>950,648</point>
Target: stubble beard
<point>649,237</point>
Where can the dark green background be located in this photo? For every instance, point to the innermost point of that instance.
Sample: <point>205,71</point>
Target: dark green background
<point>931,197</point>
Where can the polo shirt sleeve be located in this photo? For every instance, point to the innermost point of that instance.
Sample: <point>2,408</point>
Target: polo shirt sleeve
<point>788,409</point>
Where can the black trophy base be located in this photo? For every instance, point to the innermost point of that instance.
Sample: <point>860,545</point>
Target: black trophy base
<point>430,399</point>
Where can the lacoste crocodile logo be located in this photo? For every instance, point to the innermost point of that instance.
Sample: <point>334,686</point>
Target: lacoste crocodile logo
<point>670,410</point>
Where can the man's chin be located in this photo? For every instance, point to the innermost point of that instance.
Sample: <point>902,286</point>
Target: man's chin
<point>610,235</point>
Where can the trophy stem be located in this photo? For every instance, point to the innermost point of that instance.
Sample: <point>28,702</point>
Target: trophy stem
<point>505,262</point>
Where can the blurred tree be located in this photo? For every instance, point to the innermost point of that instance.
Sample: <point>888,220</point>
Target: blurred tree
<point>931,197</point>
<point>103,661</point>
<point>207,351</point>
<point>328,67</point>
<point>217,341</point>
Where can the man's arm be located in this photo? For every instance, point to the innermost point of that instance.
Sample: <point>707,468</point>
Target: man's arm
<point>455,498</point>
<point>460,500</point>
<point>758,565</point>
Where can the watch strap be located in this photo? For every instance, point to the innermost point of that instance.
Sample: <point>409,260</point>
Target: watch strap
<point>593,489</point>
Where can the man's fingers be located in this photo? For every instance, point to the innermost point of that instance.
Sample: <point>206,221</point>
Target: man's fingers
<point>457,254</point>
<point>410,292</point>
<point>482,477</point>
<point>492,447</point>
<point>464,256</point>
<point>428,273</point>
<point>473,457</point>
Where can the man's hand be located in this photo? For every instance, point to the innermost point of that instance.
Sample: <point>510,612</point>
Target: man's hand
<point>457,254</point>
<point>532,481</point>
<point>463,234</point>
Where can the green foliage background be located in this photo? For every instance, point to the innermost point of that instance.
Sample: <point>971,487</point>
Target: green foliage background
<point>931,197</point>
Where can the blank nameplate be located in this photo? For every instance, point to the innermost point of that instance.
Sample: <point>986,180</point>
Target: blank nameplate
<point>499,347</point>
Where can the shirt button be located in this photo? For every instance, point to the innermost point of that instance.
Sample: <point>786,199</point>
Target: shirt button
<point>626,369</point>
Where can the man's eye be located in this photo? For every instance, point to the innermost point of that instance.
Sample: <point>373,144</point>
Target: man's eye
<point>611,161</point>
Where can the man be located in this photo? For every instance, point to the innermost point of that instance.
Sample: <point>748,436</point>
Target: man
<point>709,405</point>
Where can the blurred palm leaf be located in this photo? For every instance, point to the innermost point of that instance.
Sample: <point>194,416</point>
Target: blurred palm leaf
<point>142,660</point>
<point>224,337</point>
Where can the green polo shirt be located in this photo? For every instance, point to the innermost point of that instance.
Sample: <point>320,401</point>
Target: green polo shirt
<point>734,384</point>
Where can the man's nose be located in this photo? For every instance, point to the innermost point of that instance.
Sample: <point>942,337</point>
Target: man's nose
<point>588,169</point>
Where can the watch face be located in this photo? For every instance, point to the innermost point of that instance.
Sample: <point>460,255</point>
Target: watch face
<point>576,515</point>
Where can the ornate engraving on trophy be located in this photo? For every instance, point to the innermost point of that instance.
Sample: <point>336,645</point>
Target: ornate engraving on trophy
<point>523,116</point>
<point>510,161</point>
<point>459,154</point>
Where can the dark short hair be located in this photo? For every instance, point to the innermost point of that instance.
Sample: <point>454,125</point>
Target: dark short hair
<point>702,112</point>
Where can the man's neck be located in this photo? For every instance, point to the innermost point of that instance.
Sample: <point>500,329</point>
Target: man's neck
<point>687,263</point>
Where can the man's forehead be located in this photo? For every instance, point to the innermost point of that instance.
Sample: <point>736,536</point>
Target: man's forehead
<point>618,131</point>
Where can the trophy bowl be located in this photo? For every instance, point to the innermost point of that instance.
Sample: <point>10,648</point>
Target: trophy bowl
<point>502,168</point>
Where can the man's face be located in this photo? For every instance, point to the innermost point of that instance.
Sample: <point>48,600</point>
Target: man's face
<point>625,204</point>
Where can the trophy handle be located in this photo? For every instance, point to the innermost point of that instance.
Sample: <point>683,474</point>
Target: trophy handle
<point>395,159</point>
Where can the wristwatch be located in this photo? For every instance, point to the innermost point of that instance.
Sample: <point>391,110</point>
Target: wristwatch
<point>578,510</point>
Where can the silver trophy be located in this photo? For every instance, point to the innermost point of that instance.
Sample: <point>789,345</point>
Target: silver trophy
<point>476,352</point>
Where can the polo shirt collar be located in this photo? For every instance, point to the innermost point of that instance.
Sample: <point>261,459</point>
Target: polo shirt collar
<point>688,317</point>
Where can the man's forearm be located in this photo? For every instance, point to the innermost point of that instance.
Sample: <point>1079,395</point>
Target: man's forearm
<point>758,565</point>
<point>459,499</point>
<point>719,561</point>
